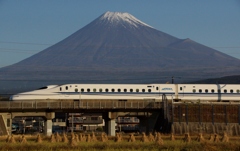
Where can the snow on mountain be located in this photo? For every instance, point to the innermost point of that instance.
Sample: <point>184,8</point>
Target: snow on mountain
<point>117,17</point>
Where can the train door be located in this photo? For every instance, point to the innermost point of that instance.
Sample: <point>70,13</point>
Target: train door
<point>181,91</point>
<point>158,90</point>
<point>176,91</point>
<point>66,93</point>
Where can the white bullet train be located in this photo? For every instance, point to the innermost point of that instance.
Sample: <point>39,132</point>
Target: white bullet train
<point>180,92</point>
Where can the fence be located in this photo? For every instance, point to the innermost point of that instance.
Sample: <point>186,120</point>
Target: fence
<point>211,113</point>
<point>82,104</point>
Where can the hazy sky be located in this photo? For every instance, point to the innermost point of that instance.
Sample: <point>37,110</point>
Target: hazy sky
<point>29,26</point>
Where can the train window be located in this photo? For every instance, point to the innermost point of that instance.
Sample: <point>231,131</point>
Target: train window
<point>156,88</point>
<point>76,90</point>
<point>231,91</point>
<point>137,90</point>
<point>143,90</point>
<point>200,90</point>
<point>194,90</point>
<point>206,90</point>
<point>88,90</point>
<point>82,90</point>
<point>60,88</point>
<point>225,91</point>
<point>42,88</point>
<point>219,91</point>
<point>119,90</point>
<point>66,87</point>
<point>94,90</point>
<point>113,90</point>
<point>212,90</point>
<point>181,88</point>
<point>106,90</point>
<point>100,90</point>
<point>238,91</point>
<point>149,90</point>
<point>125,90</point>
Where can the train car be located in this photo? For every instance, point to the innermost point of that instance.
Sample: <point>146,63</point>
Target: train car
<point>208,92</point>
<point>179,92</point>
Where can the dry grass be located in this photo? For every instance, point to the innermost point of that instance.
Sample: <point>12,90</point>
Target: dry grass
<point>65,139</point>
<point>172,137</point>
<point>158,139</point>
<point>144,138</point>
<point>132,138</point>
<point>151,138</point>
<point>187,138</point>
<point>118,137</point>
<point>58,138</point>
<point>23,140</point>
<point>120,142</point>
<point>200,138</point>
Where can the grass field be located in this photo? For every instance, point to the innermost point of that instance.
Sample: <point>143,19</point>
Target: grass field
<point>118,143</point>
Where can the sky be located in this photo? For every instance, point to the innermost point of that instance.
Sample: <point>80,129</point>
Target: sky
<point>30,26</point>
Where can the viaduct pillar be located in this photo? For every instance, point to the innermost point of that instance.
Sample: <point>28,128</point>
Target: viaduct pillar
<point>48,123</point>
<point>110,123</point>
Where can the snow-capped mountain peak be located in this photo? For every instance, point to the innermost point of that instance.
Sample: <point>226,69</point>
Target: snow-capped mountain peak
<point>116,17</point>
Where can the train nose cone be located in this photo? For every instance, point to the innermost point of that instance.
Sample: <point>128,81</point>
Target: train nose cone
<point>13,97</point>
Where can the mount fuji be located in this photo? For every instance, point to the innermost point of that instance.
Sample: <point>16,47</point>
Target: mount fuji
<point>117,46</point>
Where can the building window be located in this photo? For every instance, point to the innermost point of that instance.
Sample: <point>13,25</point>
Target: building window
<point>60,88</point>
<point>66,87</point>
<point>156,88</point>
<point>76,90</point>
<point>180,88</point>
<point>113,90</point>
<point>94,90</point>
<point>100,90</point>
<point>106,90</point>
<point>131,90</point>
<point>125,90</point>
<point>119,90</point>
<point>194,90</point>
<point>137,90</point>
<point>82,90</point>
<point>149,90</point>
<point>225,91</point>
<point>212,90</point>
<point>143,90</point>
<point>231,91</point>
<point>200,91</point>
<point>88,90</point>
<point>238,91</point>
<point>94,118</point>
<point>206,90</point>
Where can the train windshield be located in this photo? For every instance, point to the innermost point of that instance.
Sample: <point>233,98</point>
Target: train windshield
<point>43,88</point>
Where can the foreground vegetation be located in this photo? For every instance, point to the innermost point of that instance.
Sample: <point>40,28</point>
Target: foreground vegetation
<point>118,143</point>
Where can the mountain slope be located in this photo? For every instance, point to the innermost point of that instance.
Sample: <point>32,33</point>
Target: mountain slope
<point>105,42</point>
<point>119,45</point>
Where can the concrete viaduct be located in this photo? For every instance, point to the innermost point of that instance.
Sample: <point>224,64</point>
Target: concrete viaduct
<point>146,110</point>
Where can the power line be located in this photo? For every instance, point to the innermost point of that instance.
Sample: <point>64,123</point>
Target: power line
<point>22,43</point>
<point>28,43</point>
<point>18,50</point>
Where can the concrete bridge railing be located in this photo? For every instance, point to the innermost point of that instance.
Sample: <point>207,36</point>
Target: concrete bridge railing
<point>82,104</point>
